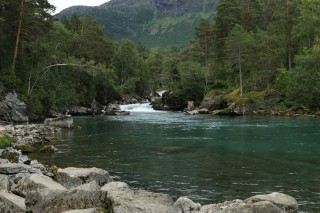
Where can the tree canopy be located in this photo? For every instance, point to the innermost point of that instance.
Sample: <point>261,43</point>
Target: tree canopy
<point>252,45</point>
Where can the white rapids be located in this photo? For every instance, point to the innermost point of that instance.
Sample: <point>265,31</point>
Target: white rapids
<point>145,107</point>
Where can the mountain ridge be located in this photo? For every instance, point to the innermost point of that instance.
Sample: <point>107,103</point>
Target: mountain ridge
<point>155,23</point>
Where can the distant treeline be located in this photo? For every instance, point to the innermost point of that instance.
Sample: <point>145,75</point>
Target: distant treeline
<point>253,45</point>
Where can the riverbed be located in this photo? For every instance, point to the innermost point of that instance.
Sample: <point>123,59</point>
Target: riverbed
<point>207,158</point>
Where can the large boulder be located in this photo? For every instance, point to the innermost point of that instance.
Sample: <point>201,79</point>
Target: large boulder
<point>225,207</point>
<point>4,183</point>
<point>33,182</point>
<point>56,201</point>
<point>115,186</point>
<point>12,109</point>
<point>29,134</point>
<point>282,201</point>
<point>10,203</point>
<point>91,210</point>
<point>117,113</point>
<point>121,199</point>
<point>172,101</point>
<point>272,203</point>
<point>63,121</point>
<point>185,205</point>
<point>14,156</point>
<point>213,101</point>
<point>72,177</point>
<point>15,168</point>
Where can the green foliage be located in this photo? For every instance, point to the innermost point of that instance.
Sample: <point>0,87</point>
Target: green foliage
<point>282,79</point>
<point>307,26</point>
<point>304,84</point>
<point>253,97</point>
<point>74,62</point>
<point>5,141</point>
<point>239,45</point>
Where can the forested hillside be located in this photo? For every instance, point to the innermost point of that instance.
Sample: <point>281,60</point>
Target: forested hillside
<point>155,23</point>
<point>249,50</point>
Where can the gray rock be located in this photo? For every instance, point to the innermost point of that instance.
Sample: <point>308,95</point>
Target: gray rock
<point>33,182</point>
<point>4,161</point>
<point>283,201</point>
<point>12,109</point>
<point>186,205</point>
<point>265,207</point>
<point>191,106</point>
<point>92,210</point>
<point>113,107</point>
<point>30,134</point>
<point>4,183</point>
<point>17,177</point>
<point>225,207</point>
<point>36,165</point>
<point>128,201</point>
<point>65,121</point>
<point>14,156</point>
<point>48,149</point>
<point>214,102</point>
<point>56,201</point>
<point>78,110</point>
<point>12,203</point>
<point>117,113</point>
<point>115,186</point>
<point>92,186</point>
<point>193,112</point>
<point>14,168</point>
<point>72,177</point>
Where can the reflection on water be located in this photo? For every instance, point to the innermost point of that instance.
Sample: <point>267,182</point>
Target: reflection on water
<point>209,159</point>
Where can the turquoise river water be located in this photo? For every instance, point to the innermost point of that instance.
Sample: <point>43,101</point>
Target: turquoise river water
<point>209,159</point>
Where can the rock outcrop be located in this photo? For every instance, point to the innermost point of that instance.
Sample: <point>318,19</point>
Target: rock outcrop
<point>91,190</point>
<point>34,182</point>
<point>73,177</point>
<point>64,121</point>
<point>56,201</point>
<point>124,200</point>
<point>12,109</point>
<point>30,134</point>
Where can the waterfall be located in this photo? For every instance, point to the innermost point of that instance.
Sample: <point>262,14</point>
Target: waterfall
<point>161,92</point>
<point>145,107</point>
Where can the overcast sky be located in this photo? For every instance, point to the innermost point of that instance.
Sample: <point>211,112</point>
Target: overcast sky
<point>62,4</point>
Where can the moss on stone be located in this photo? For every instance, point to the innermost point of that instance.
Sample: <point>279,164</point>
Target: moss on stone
<point>47,149</point>
<point>5,141</point>
<point>53,139</point>
<point>25,149</point>
<point>247,98</point>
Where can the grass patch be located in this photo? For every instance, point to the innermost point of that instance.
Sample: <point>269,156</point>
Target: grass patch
<point>5,141</point>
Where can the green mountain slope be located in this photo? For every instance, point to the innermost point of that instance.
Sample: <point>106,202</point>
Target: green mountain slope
<point>155,23</point>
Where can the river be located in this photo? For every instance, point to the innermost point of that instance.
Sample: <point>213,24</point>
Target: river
<point>207,158</point>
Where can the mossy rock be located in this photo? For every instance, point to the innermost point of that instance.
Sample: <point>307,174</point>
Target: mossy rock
<point>25,149</point>
<point>11,156</point>
<point>53,139</point>
<point>221,112</point>
<point>48,149</point>
<point>101,210</point>
<point>53,169</point>
<point>251,97</point>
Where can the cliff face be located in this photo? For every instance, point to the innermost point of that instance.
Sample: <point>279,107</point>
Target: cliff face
<point>152,22</point>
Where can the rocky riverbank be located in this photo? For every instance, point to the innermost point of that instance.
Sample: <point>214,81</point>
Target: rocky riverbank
<point>29,186</point>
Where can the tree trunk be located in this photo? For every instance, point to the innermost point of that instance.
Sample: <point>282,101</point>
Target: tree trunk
<point>17,39</point>
<point>240,73</point>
